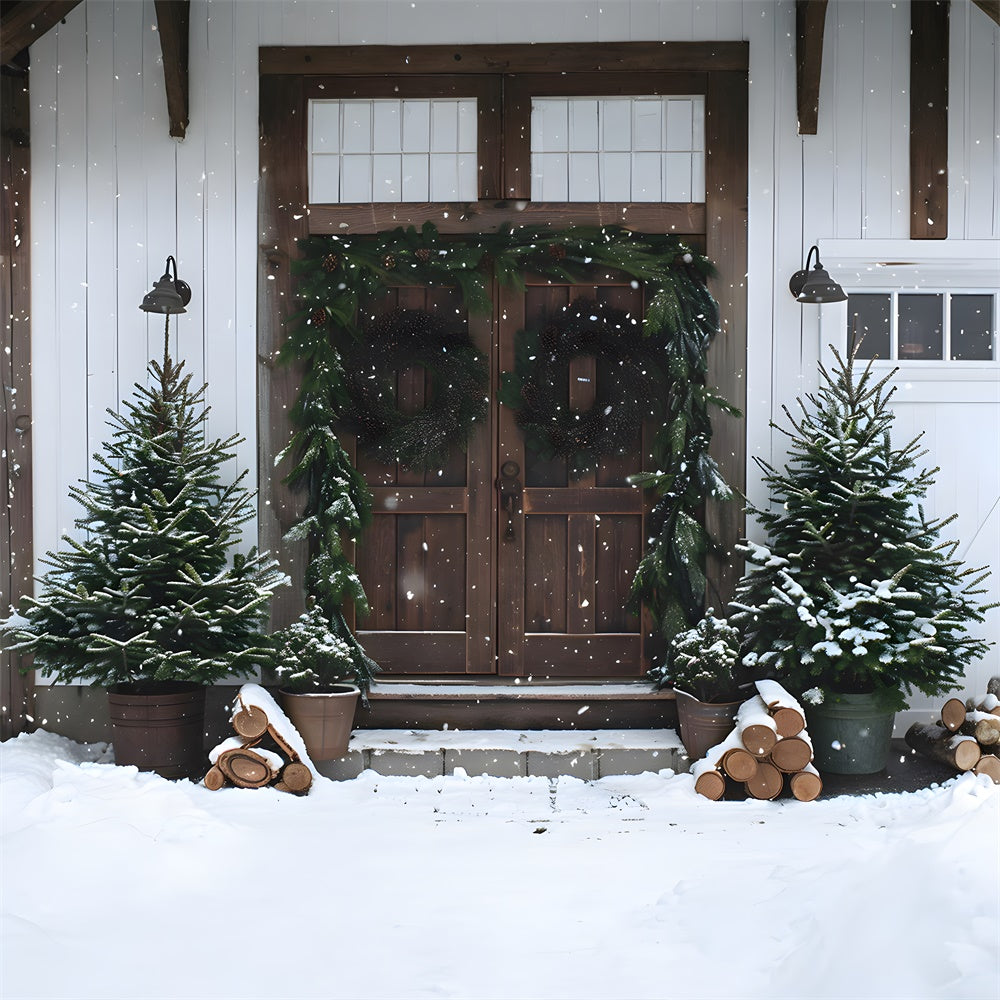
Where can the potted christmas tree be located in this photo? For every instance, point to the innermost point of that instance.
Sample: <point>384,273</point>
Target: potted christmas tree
<point>854,600</point>
<point>701,666</point>
<point>145,601</point>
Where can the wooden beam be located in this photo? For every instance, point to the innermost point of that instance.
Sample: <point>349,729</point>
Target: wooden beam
<point>16,691</point>
<point>929,120</point>
<point>172,20</point>
<point>989,7</point>
<point>27,22</point>
<point>378,60</point>
<point>810,19</point>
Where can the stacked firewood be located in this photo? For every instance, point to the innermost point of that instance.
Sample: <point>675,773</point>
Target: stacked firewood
<point>967,736</point>
<point>266,750</point>
<point>767,751</point>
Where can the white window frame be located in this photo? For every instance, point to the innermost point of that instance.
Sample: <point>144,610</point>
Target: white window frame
<point>916,266</point>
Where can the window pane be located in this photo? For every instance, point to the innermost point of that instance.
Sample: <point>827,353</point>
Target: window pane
<point>868,322</point>
<point>921,327</point>
<point>972,327</point>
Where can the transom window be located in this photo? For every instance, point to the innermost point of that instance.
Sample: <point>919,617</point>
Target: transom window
<point>638,149</point>
<point>924,325</point>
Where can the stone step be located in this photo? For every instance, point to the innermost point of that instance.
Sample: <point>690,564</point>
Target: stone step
<point>504,753</point>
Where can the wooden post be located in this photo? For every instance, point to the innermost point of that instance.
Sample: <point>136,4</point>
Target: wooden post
<point>810,19</point>
<point>929,120</point>
<point>16,556</point>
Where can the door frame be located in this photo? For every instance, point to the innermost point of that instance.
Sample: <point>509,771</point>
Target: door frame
<point>284,216</point>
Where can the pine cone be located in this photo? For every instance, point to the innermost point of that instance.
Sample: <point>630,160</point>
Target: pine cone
<point>557,251</point>
<point>423,254</point>
<point>318,317</point>
<point>330,263</point>
<point>388,262</point>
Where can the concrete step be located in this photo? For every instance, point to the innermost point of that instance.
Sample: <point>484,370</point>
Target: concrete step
<point>505,753</point>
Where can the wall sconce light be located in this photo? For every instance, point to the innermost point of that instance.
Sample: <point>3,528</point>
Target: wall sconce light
<point>168,295</point>
<point>816,285</point>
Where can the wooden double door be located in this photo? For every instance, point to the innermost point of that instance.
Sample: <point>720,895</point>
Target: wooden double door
<point>501,562</point>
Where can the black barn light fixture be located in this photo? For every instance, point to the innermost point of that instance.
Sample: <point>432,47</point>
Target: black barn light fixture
<point>168,295</point>
<point>816,285</point>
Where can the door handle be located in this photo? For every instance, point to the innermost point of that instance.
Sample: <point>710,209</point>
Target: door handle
<point>509,487</point>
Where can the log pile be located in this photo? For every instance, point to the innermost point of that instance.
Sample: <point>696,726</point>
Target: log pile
<point>967,737</point>
<point>266,750</point>
<point>767,752</point>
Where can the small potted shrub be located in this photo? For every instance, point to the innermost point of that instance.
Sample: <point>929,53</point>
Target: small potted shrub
<point>701,666</point>
<point>322,671</point>
<point>855,599</point>
<point>148,600</point>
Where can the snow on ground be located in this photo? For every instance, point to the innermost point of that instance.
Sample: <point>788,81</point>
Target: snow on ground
<point>117,884</point>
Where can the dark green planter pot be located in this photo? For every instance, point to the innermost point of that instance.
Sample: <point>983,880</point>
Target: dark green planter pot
<point>850,734</point>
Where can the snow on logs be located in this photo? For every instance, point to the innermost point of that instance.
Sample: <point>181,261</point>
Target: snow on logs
<point>267,748</point>
<point>767,750</point>
<point>968,736</point>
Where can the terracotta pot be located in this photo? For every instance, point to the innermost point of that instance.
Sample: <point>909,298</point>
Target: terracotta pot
<point>324,718</point>
<point>159,726</point>
<point>703,724</point>
<point>850,734</point>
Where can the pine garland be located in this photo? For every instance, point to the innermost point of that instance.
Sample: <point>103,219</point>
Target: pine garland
<point>339,279</point>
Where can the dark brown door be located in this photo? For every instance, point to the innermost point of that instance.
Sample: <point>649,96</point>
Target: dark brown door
<point>460,582</point>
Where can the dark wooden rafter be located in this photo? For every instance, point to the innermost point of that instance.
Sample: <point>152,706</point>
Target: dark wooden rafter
<point>172,20</point>
<point>810,18</point>
<point>991,8</point>
<point>15,388</point>
<point>25,22</point>
<point>929,120</point>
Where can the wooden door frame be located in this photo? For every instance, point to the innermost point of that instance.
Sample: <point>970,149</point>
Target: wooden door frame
<point>285,216</point>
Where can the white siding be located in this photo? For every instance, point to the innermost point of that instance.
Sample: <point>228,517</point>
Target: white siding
<point>112,194</point>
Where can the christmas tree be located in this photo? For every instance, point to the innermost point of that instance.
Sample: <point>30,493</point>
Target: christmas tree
<point>854,590</point>
<point>147,591</point>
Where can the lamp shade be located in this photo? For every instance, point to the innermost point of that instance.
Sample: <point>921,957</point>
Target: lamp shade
<point>816,285</point>
<point>168,295</point>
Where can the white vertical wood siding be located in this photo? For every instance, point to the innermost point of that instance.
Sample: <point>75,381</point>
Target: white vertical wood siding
<point>113,195</point>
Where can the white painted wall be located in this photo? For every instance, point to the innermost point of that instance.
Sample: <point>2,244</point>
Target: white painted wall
<point>113,194</point>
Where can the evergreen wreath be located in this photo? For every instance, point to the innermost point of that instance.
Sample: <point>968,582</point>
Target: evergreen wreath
<point>459,379</point>
<point>631,384</point>
<point>341,277</point>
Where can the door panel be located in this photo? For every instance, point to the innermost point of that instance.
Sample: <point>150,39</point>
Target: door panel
<point>426,560</point>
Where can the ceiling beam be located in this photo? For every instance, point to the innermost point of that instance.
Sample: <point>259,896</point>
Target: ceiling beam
<point>172,21</point>
<point>929,120</point>
<point>989,7</point>
<point>24,23</point>
<point>810,18</point>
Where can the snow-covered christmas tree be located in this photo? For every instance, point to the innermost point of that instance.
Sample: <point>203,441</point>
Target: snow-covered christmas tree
<point>854,590</point>
<point>147,592</point>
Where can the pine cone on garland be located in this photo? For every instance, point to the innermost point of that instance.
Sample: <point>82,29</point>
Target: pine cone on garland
<point>318,317</point>
<point>388,262</point>
<point>423,254</point>
<point>557,251</point>
<point>330,263</point>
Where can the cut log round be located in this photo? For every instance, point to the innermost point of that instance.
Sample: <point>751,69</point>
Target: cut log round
<point>986,733</point>
<point>990,765</point>
<point>791,754</point>
<point>993,686</point>
<point>806,784</point>
<point>758,730</point>
<point>789,722</point>
<point>937,742</point>
<point>297,777</point>
<point>245,768</point>
<point>739,764</point>
<point>787,713</point>
<point>250,722</point>
<point>766,783</point>
<point>953,714</point>
<point>711,784</point>
<point>215,779</point>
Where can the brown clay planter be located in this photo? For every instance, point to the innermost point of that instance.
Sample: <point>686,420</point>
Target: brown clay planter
<point>324,718</point>
<point>703,724</point>
<point>159,726</point>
